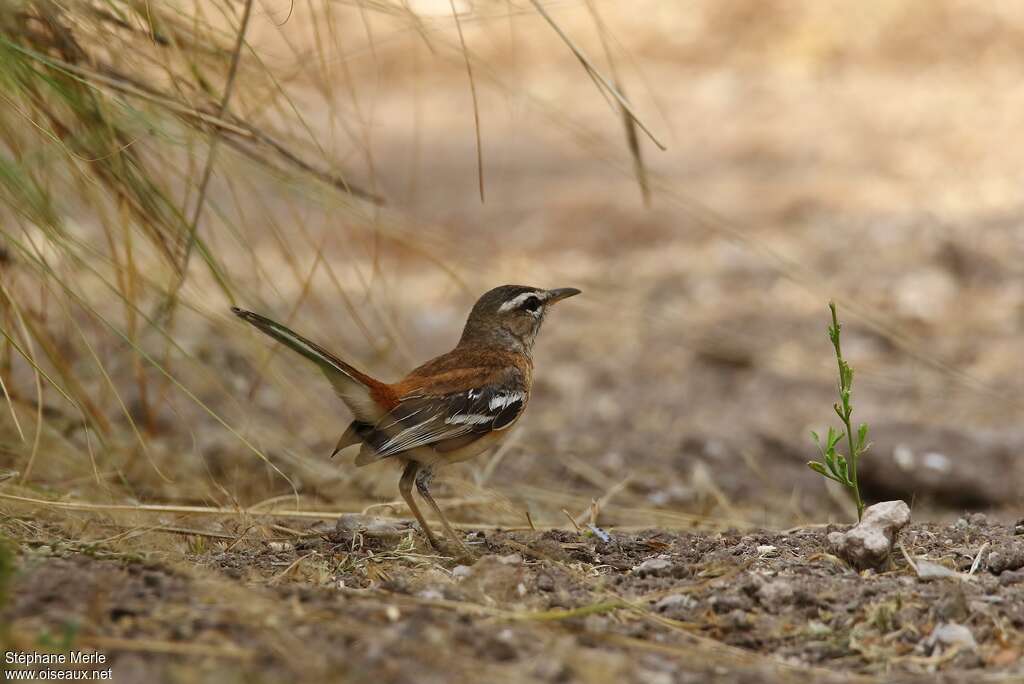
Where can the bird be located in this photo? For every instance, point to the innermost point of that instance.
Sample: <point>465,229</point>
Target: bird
<point>447,410</point>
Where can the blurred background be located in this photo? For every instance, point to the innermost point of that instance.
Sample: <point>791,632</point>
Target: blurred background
<point>328,171</point>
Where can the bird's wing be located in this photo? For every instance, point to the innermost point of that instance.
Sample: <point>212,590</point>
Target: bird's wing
<point>444,421</point>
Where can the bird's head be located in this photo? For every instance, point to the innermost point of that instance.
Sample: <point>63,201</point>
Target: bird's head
<point>510,316</point>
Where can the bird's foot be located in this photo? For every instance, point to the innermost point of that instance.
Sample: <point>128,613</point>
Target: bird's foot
<point>454,548</point>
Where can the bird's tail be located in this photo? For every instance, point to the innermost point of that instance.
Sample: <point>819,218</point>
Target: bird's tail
<point>356,389</point>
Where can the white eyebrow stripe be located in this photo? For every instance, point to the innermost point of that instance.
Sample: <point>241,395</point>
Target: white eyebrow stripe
<point>518,300</point>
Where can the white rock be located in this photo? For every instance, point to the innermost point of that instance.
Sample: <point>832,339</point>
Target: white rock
<point>652,566</point>
<point>952,634</point>
<point>681,601</point>
<point>869,543</point>
<point>927,570</point>
<point>818,628</point>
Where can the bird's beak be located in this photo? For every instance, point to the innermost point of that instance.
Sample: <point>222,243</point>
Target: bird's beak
<point>561,293</point>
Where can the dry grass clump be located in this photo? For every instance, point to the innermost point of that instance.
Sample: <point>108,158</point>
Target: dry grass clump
<point>120,160</point>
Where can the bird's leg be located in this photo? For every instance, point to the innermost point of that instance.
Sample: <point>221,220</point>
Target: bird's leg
<point>423,485</point>
<point>405,488</point>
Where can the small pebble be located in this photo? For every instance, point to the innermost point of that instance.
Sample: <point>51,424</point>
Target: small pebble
<point>675,601</point>
<point>818,628</point>
<point>653,566</point>
<point>1011,577</point>
<point>1006,557</point>
<point>952,634</point>
<point>927,570</point>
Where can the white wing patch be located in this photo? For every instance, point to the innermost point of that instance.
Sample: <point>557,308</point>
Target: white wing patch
<point>495,405</point>
<point>423,421</point>
<point>500,401</point>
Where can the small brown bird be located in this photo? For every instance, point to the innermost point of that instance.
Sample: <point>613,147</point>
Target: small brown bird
<point>449,409</point>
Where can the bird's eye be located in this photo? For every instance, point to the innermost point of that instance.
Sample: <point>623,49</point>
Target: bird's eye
<point>531,303</point>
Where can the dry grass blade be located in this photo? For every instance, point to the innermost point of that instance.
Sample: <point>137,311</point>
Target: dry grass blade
<point>244,133</point>
<point>211,153</point>
<point>598,504</point>
<point>10,406</point>
<point>29,356</point>
<point>120,402</point>
<point>476,105</point>
<point>254,512</point>
<point>628,122</point>
<point>588,65</point>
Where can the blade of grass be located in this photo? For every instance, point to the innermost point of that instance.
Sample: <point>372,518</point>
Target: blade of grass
<point>39,373</point>
<point>211,154</point>
<point>75,296</point>
<point>596,73</point>
<point>629,124</point>
<point>476,105</point>
<point>10,406</point>
<point>120,402</point>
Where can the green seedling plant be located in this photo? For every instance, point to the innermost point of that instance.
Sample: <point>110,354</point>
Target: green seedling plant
<point>833,464</point>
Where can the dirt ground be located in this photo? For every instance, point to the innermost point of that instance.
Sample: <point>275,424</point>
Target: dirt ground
<point>351,604</point>
<point>863,152</point>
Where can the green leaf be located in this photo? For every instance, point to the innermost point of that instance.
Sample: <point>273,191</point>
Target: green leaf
<point>834,438</point>
<point>862,436</point>
<point>843,469</point>
<point>820,469</point>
